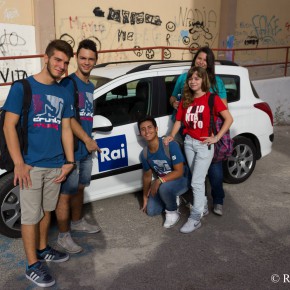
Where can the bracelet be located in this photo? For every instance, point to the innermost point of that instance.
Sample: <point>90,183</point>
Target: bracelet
<point>71,162</point>
<point>162,180</point>
<point>217,138</point>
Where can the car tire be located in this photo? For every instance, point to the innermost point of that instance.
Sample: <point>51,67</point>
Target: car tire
<point>10,218</point>
<point>241,164</point>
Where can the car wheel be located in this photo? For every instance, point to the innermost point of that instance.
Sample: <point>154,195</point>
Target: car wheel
<point>241,164</point>
<point>10,223</point>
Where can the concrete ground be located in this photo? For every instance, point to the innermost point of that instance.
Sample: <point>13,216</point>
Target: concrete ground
<point>247,248</point>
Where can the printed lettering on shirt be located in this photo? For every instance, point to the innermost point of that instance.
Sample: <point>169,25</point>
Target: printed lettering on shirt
<point>161,167</point>
<point>47,110</point>
<point>86,106</point>
<point>193,116</point>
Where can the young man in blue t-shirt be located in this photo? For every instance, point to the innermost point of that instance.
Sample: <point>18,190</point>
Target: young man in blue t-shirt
<point>40,172</point>
<point>170,172</point>
<point>70,202</point>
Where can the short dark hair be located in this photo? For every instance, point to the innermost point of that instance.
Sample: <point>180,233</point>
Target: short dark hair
<point>88,44</point>
<point>60,45</point>
<point>146,118</point>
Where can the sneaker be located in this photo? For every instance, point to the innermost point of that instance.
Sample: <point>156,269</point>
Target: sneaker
<point>205,211</point>
<point>68,244</point>
<point>39,274</point>
<point>171,218</point>
<point>84,226</point>
<point>190,226</point>
<point>218,209</point>
<point>52,255</point>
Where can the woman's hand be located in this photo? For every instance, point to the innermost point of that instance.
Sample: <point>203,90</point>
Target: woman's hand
<point>210,140</point>
<point>167,139</point>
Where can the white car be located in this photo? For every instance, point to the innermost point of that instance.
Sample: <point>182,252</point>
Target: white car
<point>125,92</point>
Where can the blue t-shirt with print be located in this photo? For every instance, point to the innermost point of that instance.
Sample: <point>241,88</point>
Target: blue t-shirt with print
<point>49,105</point>
<point>86,91</point>
<point>159,162</point>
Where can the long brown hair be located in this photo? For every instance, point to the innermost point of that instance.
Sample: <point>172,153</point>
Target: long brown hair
<point>188,93</point>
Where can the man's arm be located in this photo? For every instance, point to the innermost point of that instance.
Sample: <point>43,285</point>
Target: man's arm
<point>21,170</point>
<point>176,173</point>
<point>90,143</point>
<point>68,147</point>
<point>147,177</point>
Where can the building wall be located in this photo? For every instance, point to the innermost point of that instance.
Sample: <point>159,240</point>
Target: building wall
<point>133,24</point>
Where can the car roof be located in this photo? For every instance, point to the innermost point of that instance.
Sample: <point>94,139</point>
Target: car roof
<point>113,70</point>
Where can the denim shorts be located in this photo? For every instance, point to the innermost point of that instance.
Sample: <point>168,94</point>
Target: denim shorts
<point>81,175</point>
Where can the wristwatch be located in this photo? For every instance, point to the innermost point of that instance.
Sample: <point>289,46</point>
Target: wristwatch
<point>72,162</point>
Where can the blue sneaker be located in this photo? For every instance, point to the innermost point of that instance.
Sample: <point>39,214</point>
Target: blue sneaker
<point>52,255</point>
<point>39,274</point>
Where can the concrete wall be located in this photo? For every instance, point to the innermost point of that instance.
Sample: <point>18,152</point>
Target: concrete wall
<point>276,92</point>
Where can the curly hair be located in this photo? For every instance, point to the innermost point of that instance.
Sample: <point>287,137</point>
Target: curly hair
<point>188,93</point>
<point>210,60</point>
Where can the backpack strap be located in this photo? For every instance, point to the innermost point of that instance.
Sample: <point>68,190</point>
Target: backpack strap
<point>27,97</point>
<point>166,150</point>
<point>212,127</point>
<point>76,97</point>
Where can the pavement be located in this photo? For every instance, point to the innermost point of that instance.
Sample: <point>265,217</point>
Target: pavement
<point>247,248</point>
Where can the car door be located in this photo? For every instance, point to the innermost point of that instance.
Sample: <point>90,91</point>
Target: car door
<point>117,169</point>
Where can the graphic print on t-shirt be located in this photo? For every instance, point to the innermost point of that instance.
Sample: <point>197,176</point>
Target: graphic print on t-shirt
<point>193,116</point>
<point>86,106</point>
<point>47,111</point>
<point>161,167</point>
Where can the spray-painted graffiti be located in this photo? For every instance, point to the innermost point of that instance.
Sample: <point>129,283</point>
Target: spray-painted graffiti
<point>287,25</point>
<point>135,18</point>
<point>10,13</point>
<point>266,29</point>
<point>11,75</point>
<point>120,28</point>
<point>98,12</point>
<point>10,39</point>
<point>123,35</point>
<point>252,40</point>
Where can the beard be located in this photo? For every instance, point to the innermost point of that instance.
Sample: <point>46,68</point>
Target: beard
<point>55,77</point>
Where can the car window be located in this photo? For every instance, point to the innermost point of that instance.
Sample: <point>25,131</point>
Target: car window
<point>232,85</point>
<point>169,85</point>
<point>126,103</point>
<point>98,81</point>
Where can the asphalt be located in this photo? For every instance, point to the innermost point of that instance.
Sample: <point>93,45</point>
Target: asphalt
<point>247,248</point>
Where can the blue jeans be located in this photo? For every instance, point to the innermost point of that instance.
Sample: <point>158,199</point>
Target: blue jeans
<point>165,198</point>
<point>216,175</point>
<point>199,157</point>
<point>81,175</point>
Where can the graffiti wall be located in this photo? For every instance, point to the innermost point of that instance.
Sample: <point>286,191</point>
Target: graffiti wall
<point>16,40</point>
<point>127,24</point>
<point>260,24</point>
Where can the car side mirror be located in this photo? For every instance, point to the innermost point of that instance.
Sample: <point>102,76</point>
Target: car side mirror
<point>101,123</point>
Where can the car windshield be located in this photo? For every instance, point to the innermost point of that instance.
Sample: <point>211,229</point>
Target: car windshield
<point>99,81</point>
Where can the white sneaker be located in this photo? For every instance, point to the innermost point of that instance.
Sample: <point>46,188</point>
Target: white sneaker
<point>190,226</point>
<point>171,218</point>
<point>218,209</point>
<point>84,226</point>
<point>67,244</point>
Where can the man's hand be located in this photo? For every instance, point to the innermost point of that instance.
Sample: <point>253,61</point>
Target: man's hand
<point>154,187</point>
<point>65,170</point>
<point>145,201</point>
<point>92,145</point>
<point>22,175</point>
